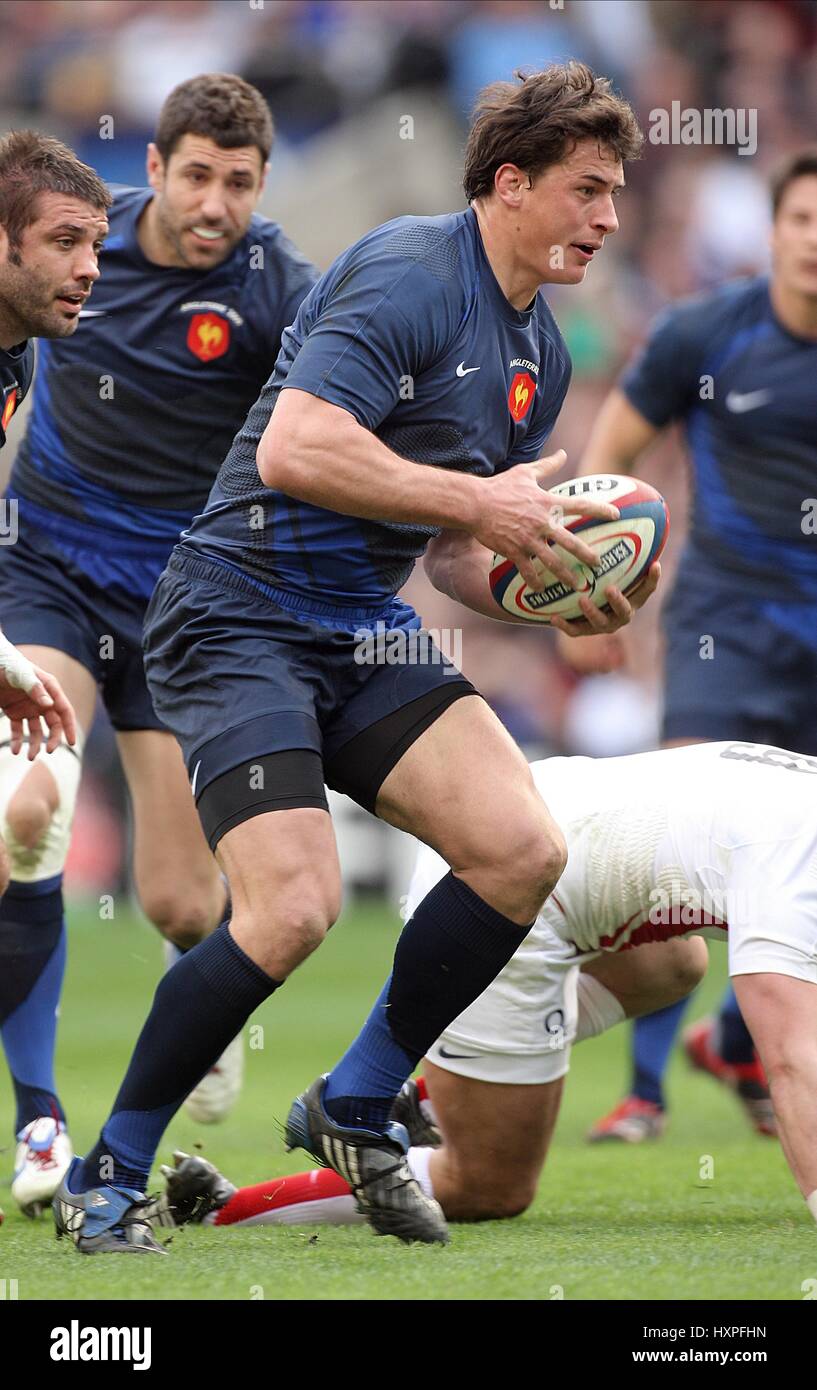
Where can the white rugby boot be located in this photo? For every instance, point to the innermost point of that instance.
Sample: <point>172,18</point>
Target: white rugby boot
<point>218,1091</point>
<point>44,1153</point>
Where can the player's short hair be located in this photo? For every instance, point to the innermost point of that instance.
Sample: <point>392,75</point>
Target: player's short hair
<point>220,106</point>
<point>31,164</point>
<point>795,166</point>
<point>537,120</point>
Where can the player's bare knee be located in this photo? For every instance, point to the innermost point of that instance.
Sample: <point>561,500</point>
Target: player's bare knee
<point>692,966</point>
<point>549,859</point>
<point>528,856</point>
<point>186,929</point>
<point>307,925</point>
<point>482,1199</point>
<point>484,1189</point>
<point>512,1201</point>
<point>181,919</point>
<point>303,916</point>
<point>28,816</point>
<point>688,967</point>
<point>538,861</point>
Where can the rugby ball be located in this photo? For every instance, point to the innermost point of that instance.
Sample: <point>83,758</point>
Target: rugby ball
<point>626,548</point>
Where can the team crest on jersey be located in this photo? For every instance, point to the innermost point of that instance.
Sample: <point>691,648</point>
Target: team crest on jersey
<point>521,395</point>
<point>208,336</point>
<point>9,407</point>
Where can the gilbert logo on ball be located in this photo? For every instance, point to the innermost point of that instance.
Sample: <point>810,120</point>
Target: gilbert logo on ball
<point>626,548</point>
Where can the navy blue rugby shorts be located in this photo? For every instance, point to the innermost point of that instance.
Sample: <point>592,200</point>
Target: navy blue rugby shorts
<point>738,666</point>
<point>239,679</point>
<point>48,599</point>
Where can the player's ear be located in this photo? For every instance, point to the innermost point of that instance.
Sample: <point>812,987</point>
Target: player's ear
<point>155,168</point>
<point>509,182</point>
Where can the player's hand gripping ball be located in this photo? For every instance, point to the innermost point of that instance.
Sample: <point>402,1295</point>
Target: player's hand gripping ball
<point>626,548</point>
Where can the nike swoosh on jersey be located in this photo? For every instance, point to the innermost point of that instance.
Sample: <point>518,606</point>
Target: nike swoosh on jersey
<point>443,1053</point>
<point>739,401</point>
<point>92,313</point>
<point>195,777</point>
<point>462,370</point>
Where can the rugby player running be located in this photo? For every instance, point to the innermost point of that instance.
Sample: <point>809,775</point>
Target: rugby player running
<point>130,422</point>
<point>53,217</point>
<point>424,363</point>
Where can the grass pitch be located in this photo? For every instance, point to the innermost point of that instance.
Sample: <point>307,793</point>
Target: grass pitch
<point>609,1222</point>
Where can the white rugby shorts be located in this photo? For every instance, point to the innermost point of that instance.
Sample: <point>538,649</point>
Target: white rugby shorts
<point>521,1028</point>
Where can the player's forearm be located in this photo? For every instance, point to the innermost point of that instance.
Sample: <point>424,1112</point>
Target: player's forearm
<point>619,435</point>
<point>459,568</point>
<point>780,1012</point>
<point>318,453</point>
<point>794,1094</point>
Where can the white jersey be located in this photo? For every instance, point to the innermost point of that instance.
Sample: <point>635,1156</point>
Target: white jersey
<point>717,839</point>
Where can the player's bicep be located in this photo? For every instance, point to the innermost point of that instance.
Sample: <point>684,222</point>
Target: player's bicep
<point>299,423</point>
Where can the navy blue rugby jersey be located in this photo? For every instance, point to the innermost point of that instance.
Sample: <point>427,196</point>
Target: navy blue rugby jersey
<point>410,332</point>
<point>134,413</point>
<point>16,371</point>
<point>752,432</point>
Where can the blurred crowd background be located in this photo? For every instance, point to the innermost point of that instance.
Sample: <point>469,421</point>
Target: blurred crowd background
<point>371,101</point>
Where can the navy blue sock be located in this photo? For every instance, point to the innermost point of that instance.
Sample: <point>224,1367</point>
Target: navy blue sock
<point>452,948</point>
<point>653,1038</point>
<point>32,965</point>
<point>732,1038</point>
<point>375,1061</point>
<point>199,1007</point>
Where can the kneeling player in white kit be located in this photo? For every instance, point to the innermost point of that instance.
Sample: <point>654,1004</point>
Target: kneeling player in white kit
<point>718,839</point>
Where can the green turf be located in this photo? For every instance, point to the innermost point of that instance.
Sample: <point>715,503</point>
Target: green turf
<point>608,1222</point>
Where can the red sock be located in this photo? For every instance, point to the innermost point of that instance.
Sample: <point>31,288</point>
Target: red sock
<point>422,1089</point>
<point>303,1198</point>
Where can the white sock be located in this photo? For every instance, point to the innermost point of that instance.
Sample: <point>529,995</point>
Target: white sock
<point>598,1008</point>
<point>419,1161</point>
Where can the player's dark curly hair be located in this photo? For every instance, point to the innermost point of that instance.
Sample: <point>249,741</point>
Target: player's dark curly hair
<point>31,164</point>
<point>537,120</point>
<point>220,106</point>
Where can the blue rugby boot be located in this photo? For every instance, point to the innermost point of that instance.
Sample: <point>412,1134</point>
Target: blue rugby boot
<point>105,1220</point>
<point>375,1167</point>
